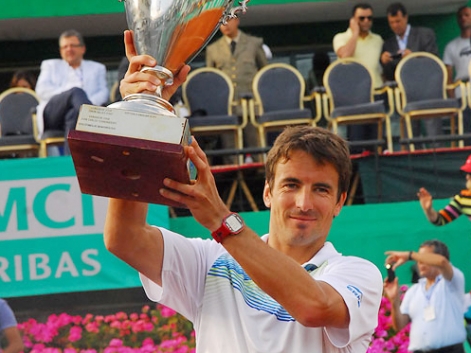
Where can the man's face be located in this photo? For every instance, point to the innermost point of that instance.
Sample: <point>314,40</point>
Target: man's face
<point>231,28</point>
<point>398,23</point>
<point>302,202</point>
<point>71,50</point>
<point>364,18</point>
<point>464,18</point>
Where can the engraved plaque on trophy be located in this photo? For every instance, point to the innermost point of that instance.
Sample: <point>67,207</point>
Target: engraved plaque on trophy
<point>125,150</point>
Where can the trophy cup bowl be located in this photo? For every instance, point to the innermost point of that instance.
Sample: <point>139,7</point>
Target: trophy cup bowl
<point>125,150</point>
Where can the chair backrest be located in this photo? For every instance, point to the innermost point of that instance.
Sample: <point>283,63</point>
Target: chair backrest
<point>421,76</point>
<point>15,111</point>
<point>208,90</point>
<point>348,82</point>
<point>278,86</point>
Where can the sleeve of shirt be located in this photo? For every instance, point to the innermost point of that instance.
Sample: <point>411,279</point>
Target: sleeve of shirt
<point>447,56</point>
<point>261,57</point>
<point>360,284</point>
<point>406,300</point>
<point>209,57</point>
<point>457,281</point>
<point>101,93</point>
<point>185,265</point>
<point>452,211</point>
<point>339,41</point>
<point>46,88</point>
<point>7,318</point>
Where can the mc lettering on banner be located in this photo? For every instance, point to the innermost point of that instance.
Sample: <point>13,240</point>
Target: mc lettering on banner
<point>51,235</point>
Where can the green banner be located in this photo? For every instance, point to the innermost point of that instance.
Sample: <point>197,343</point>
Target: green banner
<point>51,235</point>
<point>54,8</point>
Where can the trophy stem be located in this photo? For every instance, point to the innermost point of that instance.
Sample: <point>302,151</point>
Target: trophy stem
<point>166,77</point>
<point>161,72</point>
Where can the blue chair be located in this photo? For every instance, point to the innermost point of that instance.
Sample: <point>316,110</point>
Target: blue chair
<point>421,93</point>
<point>16,123</point>
<point>349,98</point>
<point>210,91</point>
<point>278,101</point>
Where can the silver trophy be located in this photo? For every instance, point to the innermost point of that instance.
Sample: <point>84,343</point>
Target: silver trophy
<point>126,152</point>
<point>173,32</point>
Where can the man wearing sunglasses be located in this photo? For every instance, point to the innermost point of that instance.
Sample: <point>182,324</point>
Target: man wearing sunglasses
<point>359,43</point>
<point>459,205</point>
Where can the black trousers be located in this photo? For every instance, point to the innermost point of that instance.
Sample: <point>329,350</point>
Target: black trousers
<point>62,110</point>
<point>456,348</point>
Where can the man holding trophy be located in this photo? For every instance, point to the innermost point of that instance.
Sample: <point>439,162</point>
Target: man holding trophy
<point>288,291</point>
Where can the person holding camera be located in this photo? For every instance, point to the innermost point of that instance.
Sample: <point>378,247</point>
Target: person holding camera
<point>406,39</point>
<point>434,306</point>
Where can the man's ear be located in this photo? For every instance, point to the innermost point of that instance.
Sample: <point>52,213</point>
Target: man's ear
<point>338,207</point>
<point>266,195</point>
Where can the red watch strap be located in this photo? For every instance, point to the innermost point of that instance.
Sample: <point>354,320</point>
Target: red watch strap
<point>223,231</point>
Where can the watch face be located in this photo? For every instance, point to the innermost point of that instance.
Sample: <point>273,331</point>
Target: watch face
<point>234,223</point>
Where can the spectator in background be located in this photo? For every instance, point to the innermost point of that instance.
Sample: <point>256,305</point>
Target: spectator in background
<point>435,305</point>
<point>23,78</point>
<point>67,83</point>
<point>457,57</point>
<point>359,43</point>
<point>10,336</point>
<point>240,56</point>
<point>460,204</point>
<point>407,39</point>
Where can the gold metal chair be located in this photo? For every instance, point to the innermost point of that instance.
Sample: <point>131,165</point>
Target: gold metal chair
<point>349,99</point>
<point>422,93</point>
<point>278,100</point>
<point>47,137</point>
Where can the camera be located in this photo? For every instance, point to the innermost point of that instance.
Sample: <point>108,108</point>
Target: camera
<point>396,56</point>
<point>391,273</point>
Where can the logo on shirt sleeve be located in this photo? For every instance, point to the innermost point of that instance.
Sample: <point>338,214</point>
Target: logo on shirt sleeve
<point>356,292</point>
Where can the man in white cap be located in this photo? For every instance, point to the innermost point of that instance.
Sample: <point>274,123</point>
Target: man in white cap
<point>460,204</point>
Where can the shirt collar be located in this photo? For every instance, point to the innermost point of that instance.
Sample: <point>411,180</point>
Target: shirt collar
<point>327,252</point>
<point>236,39</point>
<point>406,34</point>
<point>349,31</point>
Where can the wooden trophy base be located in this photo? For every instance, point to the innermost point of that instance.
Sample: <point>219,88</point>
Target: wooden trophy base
<point>126,168</point>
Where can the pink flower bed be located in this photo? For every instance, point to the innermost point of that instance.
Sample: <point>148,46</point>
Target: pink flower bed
<point>158,330</point>
<point>385,338</point>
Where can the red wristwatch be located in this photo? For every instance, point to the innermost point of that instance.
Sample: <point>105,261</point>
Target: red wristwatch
<point>231,225</point>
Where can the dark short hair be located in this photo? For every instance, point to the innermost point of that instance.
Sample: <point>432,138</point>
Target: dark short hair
<point>461,9</point>
<point>72,33</point>
<point>361,5</point>
<point>396,7</point>
<point>322,145</point>
<point>26,75</point>
<point>438,247</point>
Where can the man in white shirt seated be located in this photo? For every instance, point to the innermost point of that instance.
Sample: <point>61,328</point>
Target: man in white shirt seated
<point>65,84</point>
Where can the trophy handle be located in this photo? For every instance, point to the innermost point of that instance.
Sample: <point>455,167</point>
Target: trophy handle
<point>234,11</point>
